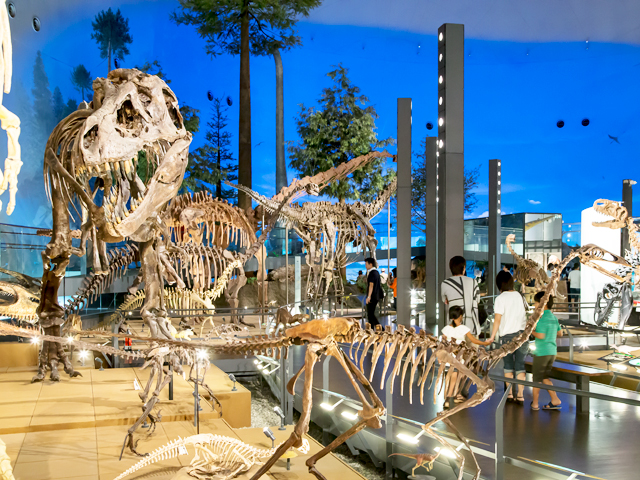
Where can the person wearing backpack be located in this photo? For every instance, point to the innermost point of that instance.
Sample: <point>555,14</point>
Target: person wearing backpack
<point>510,310</point>
<point>374,290</point>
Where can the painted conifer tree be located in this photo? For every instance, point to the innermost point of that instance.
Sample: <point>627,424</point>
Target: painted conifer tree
<point>214,162</point>
<point>245,28</point>
<point>111,32</point>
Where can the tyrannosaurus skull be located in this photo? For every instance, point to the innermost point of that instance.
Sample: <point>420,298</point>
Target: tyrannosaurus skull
<point>133,112</point>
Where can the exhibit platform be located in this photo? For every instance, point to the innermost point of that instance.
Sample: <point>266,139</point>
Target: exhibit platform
<point>93,453</point>
<point>107,398</point>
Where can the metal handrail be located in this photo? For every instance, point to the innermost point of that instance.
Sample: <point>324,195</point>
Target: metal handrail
<point>500,458</point>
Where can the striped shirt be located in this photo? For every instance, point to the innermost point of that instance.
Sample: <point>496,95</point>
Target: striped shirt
<point>463,291</point>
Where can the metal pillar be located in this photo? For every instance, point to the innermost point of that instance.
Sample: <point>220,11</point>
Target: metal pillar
<point>450,149</point>
<point>495,225</point>
<point>388,424</point>
<point>627,202</point>
<point>297,280</point>
<point>432,300</point>
<point>404,213</point>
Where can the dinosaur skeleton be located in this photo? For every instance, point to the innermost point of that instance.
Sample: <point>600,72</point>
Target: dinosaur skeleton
<point>218,457</point>
<point>9,121</point>
<point>410,349</point>
<point>620,290</point>
<point>528,270</point>
<point>422,460</point>
<point>326,228</point>
<point>90,168</point>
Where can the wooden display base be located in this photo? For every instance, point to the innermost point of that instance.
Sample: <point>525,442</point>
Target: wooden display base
<point>107,398</point>
<point>92,453</point>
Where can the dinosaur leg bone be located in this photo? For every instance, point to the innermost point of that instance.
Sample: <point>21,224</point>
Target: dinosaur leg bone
<point>302,427</point>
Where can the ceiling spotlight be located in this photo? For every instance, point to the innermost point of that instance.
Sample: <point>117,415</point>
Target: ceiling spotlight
<point>560,124</point>
<point>116,63</point>
<point>11,8</point>
<point>35,23</point>
<point>210,96</point>
<point>585,122</point>
<point>229,101</point>
<point>429,126</point>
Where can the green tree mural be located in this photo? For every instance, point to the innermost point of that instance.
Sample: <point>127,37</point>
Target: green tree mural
<point>245,27</point>
<point>111,33</point>
<point>341,128</point>
<point>81,79</point>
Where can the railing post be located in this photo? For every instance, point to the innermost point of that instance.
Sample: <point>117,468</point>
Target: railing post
<point>325,395</point>
<point>283,381</point>
<point>500,434</point>
<point>388,425</point>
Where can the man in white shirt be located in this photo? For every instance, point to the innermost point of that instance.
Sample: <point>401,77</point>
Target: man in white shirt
<point>462,291</point>
<point>574,285</point>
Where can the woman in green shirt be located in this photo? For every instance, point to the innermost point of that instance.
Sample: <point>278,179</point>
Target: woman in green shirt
<point>547,330</point>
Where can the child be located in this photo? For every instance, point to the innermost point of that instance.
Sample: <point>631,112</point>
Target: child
<point>547,330</point>
<point>459,332</point>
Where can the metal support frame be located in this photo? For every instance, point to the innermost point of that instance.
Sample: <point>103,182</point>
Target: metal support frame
<point>403,310</point>
<point>627,202</point>
<point>450,148</point>
<point>432,302</point>
<point>388,429</point>
<point>495,226</point>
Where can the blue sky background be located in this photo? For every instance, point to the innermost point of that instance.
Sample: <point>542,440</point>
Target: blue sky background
<point>515,92</point>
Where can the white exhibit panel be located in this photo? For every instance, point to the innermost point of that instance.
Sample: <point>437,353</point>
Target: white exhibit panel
<point>592,281</point>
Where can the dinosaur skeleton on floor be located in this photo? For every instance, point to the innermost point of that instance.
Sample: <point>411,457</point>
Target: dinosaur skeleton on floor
<point>216,456</point>
<point>623,285</point>
<point>326,228</point>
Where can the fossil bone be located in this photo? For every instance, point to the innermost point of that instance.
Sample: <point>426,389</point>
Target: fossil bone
<point>216,456</point>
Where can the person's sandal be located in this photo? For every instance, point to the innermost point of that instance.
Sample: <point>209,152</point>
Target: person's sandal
<point>520,401</point>
<point>551,406</point>
<point>534,408</point>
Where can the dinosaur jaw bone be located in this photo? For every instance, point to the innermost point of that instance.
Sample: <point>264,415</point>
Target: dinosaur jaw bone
<point>611,209</point>
<point>125,212</point>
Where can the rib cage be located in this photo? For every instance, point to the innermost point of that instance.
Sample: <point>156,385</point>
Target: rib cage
<point>217,222</point>
<point>95,285</point>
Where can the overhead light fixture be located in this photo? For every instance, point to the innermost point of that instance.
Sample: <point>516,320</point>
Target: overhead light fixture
<point>560,123</point>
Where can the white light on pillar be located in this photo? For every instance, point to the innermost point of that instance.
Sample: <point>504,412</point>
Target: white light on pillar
<point>441,121</point>
<point>440,101</point>
<point>441,36</point>
<point>440,79</point>
<point>441,144</point>
<point>440,57</point>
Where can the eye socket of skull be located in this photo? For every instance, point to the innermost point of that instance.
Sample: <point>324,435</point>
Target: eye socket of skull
<point>129,118</point>
<point>90,137</point>
<point>175,115</point>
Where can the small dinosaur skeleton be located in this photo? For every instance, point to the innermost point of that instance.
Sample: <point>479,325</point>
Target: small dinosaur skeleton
<point>222,458</point>
<point>422,460</point>
<point>624,282</point>
<point>326,228</point>
<point>528,270</point>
